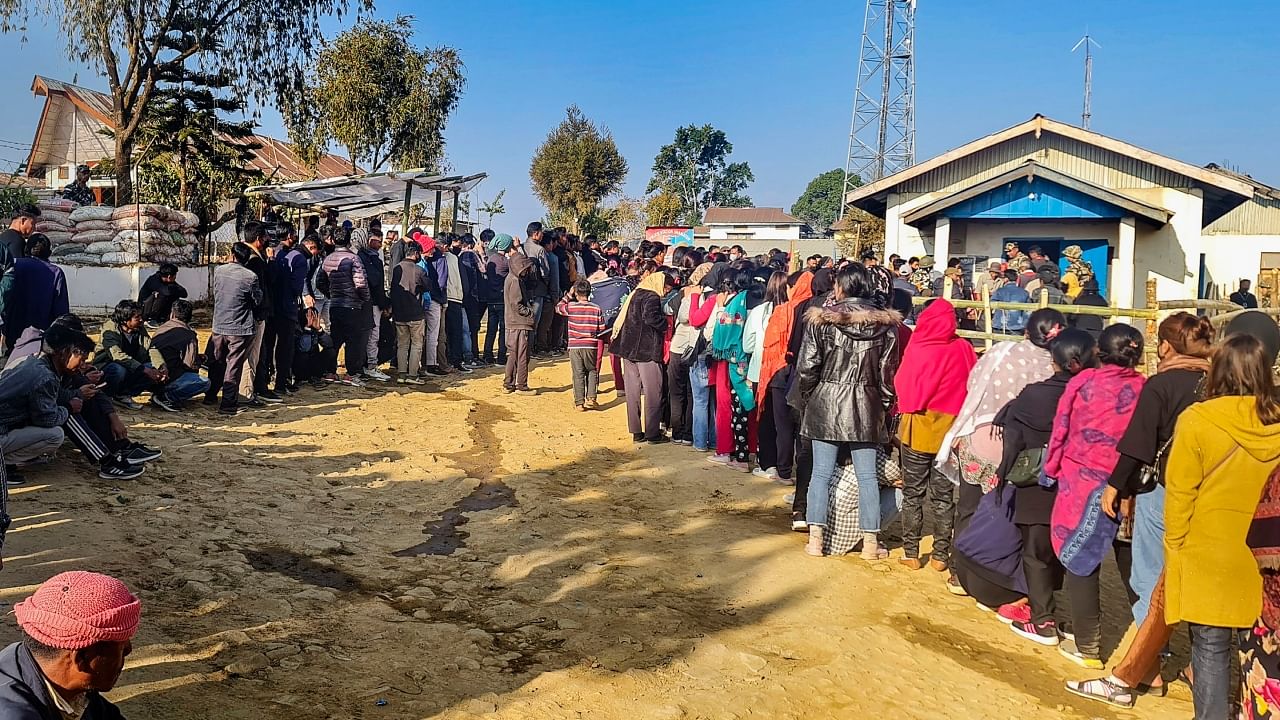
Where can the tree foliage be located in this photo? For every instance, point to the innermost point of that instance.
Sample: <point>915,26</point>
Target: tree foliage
<point>860,231</point>
<point>12,197</point>
<point>493,207</point>
<point>262,46</point>
<point>663,209</point>
<point>378,96</point>
<point>696,170</point>
<point>185,128</point>
<point>576,167</point>
<point>819,205</point>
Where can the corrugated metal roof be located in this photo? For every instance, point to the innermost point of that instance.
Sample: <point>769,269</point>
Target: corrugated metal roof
<point>748,216</point>
<point>275,159</point>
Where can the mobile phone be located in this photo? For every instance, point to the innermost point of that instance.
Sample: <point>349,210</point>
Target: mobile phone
<point>100,385</point>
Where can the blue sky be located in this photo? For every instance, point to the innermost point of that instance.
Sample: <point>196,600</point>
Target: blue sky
<point>1194,80</point>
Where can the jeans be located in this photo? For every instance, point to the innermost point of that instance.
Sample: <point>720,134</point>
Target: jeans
<point>1148,549</point>
<point>431,332</point>
<point>24,444</point>
<point>122,382</point>
<point>371,347</point>
<point>1211,668</point>
<point>185,387</point>
<point>409,347</point>
<point>864,467</point>
<point>920,479</point>
<point>495,328</point>
<point>703,429</point>
<point>582,364</point>
<point>473,312</point>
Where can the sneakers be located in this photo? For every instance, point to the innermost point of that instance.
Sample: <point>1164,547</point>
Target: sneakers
<point>164,402</point>
<point>255,402</point>
<point>127,403</point>
<point>351,381</point>
<point>799,526</point>
<point>267,396</point>
<point>230,410</point>
<point>659,440</point>
<point>765,473</point>
<point>137,453</point>
<point>954,587</point>
<point>463,369</point>
<point>719,459</point>
<point>117,468</point>
<point>13,477</point>
<point>1011,613</point>
<point>435,370</point>
<point>526,391</point>
<point>739,466</point>
<point>376,374</point>
<point>1068,650</point>
<point>1043,634</point>
<point>637,437</point>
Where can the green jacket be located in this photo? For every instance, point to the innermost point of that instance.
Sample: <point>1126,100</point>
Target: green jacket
<point>117,347</point>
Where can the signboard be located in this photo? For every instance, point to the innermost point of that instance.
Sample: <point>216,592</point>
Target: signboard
<point>670,235</point>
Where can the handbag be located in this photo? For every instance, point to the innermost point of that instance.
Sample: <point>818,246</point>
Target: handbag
<point>888,469</point>
<point>694,352</point>
<point>1026,468</point>
<point>1149,475</point>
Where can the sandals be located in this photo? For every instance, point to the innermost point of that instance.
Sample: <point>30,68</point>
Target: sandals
<point>1103,690</point>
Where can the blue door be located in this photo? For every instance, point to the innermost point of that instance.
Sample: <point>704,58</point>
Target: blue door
<point>1096,254</point>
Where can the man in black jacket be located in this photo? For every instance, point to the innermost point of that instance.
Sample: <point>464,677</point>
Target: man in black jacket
<point>158,293</point>
<point>1243,297</point>
<point>254,383</point>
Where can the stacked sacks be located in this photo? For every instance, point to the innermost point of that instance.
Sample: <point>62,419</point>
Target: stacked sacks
<point>90,224</point>
<point>55,219</point>
<point>124,235</point>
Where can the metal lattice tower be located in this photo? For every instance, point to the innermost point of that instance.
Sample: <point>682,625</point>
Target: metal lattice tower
<point>882,136</point>
<point>1088,43</point>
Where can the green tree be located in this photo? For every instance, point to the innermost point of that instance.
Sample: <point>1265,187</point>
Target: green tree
<point>263,47</point>
<point>493,207</point>
<point>185,127</point>
<point>695,169</point>
<point>663,209</point>
<point>577,167</point>
<point>819,205</point>
<point>377,95</point>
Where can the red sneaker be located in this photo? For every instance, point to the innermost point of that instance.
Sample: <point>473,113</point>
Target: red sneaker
<point>1010,614</point>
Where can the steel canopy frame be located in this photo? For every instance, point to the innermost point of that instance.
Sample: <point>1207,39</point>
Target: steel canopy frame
<point>363,196</point>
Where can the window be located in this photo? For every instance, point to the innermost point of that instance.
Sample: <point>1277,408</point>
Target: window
<point>64,173</point>
<point>1270,260</point>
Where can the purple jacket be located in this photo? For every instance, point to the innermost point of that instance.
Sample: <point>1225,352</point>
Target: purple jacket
<point>39,296</point>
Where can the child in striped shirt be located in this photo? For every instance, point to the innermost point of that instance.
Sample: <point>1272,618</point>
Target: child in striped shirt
<point>585,324</point>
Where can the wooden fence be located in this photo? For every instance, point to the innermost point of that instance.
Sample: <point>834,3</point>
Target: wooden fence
<point>1219,312</point>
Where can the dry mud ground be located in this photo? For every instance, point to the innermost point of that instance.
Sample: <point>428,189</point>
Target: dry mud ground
<point>292,564</point>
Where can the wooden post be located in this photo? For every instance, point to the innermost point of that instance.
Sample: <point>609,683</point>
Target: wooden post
<point>453,227</point>
<point>436,218</point>
<point>1044,297</point>
<point>1275,287</point>
<point>1153,324</point>
<point>986,313</point>
<point>404,219</point>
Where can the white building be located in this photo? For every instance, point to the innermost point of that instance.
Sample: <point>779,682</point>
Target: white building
<point>758,230</point>
<point>1136,214</point>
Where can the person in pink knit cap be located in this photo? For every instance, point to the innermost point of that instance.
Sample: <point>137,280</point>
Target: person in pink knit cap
<point>77,629</point>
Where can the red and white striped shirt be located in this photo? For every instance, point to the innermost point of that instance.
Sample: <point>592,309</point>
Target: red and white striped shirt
<point>585,323</point>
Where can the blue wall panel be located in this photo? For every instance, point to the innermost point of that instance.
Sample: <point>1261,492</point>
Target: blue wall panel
<point>1038,199</point>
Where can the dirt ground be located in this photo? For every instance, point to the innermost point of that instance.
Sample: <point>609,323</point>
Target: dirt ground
<point>455,552</point>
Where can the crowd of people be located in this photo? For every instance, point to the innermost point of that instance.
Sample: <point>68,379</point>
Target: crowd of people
<point>1037,460</point>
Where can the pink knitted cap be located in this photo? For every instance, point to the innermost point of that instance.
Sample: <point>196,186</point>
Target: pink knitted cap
<point>76,609</point>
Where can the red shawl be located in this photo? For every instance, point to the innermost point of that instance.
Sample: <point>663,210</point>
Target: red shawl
<point>1264,540</point>
<point>777,334</point>
<point>934,373</point>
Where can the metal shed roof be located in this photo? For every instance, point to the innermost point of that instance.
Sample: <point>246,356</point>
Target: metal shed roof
<point>364,196</point>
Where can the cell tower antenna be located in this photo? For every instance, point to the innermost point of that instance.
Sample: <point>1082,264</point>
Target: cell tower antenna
<point>1089,43</point>
<point>882,134</point>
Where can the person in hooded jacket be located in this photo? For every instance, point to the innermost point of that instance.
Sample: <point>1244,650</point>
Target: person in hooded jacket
<point>820,288</point>
<point>844,394</point>
<point>492,277</point>
<point>370,254</point>
<point>931,389</point>
<point>640,332</point>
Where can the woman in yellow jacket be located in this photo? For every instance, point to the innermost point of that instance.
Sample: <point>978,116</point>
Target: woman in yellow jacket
<point>1222,452</point>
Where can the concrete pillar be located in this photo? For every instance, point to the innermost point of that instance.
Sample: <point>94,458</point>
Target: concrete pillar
<point>941,243</point>
<point>1124,278</point>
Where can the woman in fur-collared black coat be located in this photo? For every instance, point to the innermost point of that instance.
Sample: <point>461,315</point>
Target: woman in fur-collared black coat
<point>844,393</point>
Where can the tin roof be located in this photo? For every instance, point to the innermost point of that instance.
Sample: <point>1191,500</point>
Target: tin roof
<point>275,159</point>
<point>748,216</point>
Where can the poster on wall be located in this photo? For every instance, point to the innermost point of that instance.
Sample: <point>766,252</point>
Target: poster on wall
<point>670,235</point>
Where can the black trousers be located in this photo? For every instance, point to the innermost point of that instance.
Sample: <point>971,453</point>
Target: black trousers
<point>804,469</point>
<point>348,330</point>
<point>279,343</point>
<point>1042,570</point>
<point>921,481</point>
<point>475,311</point>
<point>541,337</point>
<point>680,399</point>
<point>495,331</point>
<point>969,496</point>
<point>1085,594</point>
<point>977,581</point>
<point>453,332</point>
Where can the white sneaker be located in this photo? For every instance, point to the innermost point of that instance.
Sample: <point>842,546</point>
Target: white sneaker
<point>766,473</point>
<point>719,459</point>
<point>377,374</point>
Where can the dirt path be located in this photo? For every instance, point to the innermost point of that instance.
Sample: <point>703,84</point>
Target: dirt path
<point>464,553</point>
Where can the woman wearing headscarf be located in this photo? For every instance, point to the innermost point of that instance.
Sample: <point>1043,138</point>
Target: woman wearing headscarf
<point>639,336</point>
<point>973,447</point>
<point>844,392</point>
<point>931,385</point>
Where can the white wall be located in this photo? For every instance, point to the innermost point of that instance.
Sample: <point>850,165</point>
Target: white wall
<point>1229,258</point>
<point>95,289</point>
<point>764,233</point>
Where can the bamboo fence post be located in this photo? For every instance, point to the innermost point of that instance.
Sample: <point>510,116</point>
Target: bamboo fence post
<point>986,313</point>
<point>1275,287</point>
<point>1044,297</point>
<point>1152,324</point>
